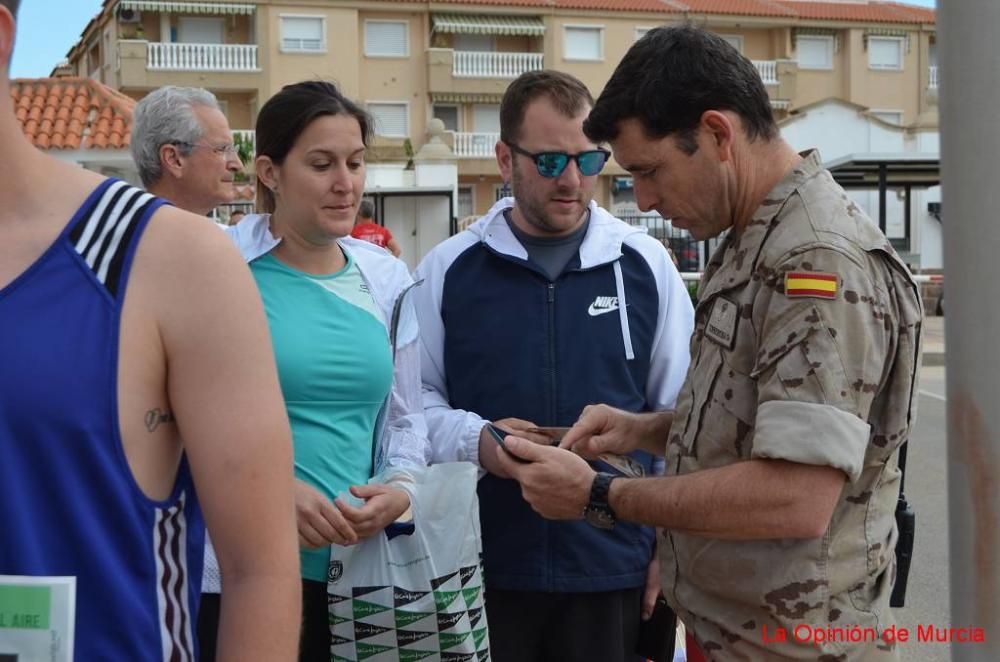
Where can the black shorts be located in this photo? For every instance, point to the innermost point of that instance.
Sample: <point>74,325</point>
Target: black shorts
<point>529,626</point>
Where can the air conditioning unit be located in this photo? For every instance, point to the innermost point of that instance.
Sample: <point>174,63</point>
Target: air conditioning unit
<point>129,16</point>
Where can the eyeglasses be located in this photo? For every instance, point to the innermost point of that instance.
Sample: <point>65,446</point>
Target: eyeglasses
<point>552,164</point>
<point>226,150</point>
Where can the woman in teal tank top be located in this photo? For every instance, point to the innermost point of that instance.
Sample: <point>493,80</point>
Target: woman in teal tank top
<point>349,375</point>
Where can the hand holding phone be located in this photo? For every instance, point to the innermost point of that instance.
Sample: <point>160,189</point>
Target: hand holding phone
<point>499,434</point>
<point>622,464</point>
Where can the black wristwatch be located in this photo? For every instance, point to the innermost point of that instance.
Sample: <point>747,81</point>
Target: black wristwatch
<point>598,512</point>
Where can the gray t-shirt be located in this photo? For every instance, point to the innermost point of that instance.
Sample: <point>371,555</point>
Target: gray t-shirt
<point>550,254</point>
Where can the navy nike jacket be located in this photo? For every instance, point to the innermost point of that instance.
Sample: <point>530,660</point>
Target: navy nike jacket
<point>501,340</point>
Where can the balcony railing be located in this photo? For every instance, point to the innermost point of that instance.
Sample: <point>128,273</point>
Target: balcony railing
<point>933,74</point>
<point>475,64</point>
<point>768,70</point>
<point>475,145</point>
<point>202,57</point>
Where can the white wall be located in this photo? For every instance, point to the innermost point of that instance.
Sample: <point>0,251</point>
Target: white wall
<point>111,163</point>
<point>418,223</point>
<point>838,129</point>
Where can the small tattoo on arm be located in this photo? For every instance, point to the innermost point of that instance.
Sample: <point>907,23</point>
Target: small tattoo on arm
<point>154,417</point>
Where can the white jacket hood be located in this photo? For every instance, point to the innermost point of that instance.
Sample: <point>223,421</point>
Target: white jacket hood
<point>386,276</point>
<point>601,245</point>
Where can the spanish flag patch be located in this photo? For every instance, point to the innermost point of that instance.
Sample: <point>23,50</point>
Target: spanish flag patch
<point>811,284</point>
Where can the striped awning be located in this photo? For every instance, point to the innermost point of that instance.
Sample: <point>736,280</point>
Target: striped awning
<point>489,24</point>
<point>188,7</point>
<point>887,32</point>
<point>465,97</point>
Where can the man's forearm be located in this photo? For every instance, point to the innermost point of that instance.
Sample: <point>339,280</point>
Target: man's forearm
<point>260,619</point>
<point>753,500</point>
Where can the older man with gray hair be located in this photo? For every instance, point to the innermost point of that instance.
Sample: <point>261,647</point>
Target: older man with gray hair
<point>183,147</point>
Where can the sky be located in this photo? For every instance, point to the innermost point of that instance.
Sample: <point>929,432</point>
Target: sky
<point>47,29</point>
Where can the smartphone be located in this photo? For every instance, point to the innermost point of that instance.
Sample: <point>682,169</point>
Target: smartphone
<point>555,435</point>
<point>499,434</point>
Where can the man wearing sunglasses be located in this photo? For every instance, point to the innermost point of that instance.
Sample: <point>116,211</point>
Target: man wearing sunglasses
<point>543,306</point>
<point>782,455</point>
<point>183,148</point>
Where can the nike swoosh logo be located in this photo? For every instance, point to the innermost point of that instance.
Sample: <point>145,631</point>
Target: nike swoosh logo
<point>594,312</point>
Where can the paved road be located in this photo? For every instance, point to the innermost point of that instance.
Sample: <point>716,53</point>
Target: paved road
<point>927,599</point>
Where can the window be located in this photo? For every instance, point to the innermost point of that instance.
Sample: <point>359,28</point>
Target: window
<point>392,120</point>
<point>448,115</point>
<point>885,53</point>
<point>94,61</point>
<point>466,202</point>
<point>734,40</point>
<point>479,43</point>
<point>814,52</point>
<point>387,39</point>
<point>486,118</point>
<point>890,116</point>
<point>583,43</point>
<point>198,30</point>
<point>303,34</point>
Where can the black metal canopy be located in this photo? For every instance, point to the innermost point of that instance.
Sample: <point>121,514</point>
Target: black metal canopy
<point>883,171</point>
<point>892,170</point>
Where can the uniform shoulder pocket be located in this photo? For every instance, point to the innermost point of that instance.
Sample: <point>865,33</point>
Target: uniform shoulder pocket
<point>798,326</point>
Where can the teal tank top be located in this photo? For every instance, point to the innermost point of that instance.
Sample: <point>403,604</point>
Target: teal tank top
<point>335,366</point>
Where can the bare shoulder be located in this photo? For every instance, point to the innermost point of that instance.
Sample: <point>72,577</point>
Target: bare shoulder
<point>182,250</point>
<point>189,274</point>
<point>179,238</point>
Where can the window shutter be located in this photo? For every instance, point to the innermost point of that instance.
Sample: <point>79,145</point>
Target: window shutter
<point>814,52</point>
<point>390,119</point>
<point>583,43</point>
<point>387,38</point>
<point>448,115</point>
<point>302,33</point>
<point>736,41</point>
<point>885,53</point>
<point>486,118</point>
<point>465,207</point>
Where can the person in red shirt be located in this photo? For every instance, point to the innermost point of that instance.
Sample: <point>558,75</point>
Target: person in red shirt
<point>366,228</point>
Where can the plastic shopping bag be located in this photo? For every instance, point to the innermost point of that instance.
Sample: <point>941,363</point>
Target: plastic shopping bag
<point>417,596</point>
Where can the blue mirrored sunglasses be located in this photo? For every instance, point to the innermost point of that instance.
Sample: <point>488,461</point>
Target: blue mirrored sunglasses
<point>552,164</point>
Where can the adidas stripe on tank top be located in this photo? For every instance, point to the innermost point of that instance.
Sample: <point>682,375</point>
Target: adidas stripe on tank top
<point>71,507</point>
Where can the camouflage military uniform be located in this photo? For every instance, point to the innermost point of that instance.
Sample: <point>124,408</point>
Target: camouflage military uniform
<point>810,376</point>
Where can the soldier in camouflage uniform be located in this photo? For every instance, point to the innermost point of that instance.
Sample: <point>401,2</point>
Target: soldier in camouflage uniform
<point>782,480</point>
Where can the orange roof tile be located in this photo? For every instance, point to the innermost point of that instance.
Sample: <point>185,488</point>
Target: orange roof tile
<point>870,11</point>
<point>72,113</point>
<point>873,12</point>
<point>616,5</point>
<point>857,11</point>
<point>547,5</point>
<point>740,7</point>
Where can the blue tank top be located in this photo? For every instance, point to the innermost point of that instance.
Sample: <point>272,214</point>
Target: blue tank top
<point>70,504</point>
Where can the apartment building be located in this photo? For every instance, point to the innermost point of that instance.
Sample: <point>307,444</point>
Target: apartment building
<point>452,59</point>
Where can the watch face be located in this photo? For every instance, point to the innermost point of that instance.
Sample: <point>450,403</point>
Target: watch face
<point>600,517</point>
